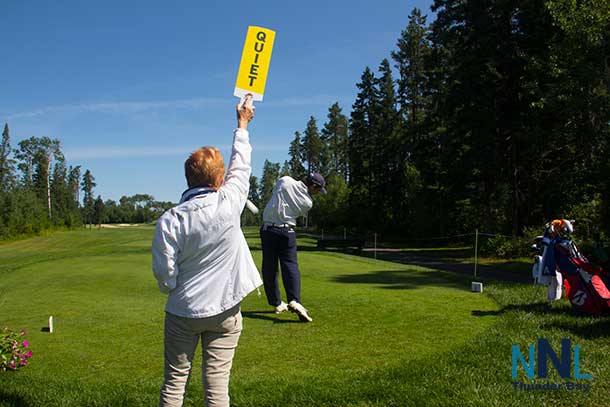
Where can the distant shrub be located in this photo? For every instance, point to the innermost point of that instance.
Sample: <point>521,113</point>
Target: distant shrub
<point>506,247</point>
<point>496,246</point>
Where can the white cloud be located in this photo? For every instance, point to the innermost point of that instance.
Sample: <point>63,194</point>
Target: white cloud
<point>104,152</point>
<point>120,107</point>
<point>112,152</point>
<point>189,104</point>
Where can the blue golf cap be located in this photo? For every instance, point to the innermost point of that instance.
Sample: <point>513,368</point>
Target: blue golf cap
<point>317,179</point>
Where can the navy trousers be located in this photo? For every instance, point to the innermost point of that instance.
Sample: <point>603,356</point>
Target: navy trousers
<point>280,244</point>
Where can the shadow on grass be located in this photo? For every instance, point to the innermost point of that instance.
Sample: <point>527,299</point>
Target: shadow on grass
<point>13,400</point>
<point>511,271</point>
<point>599,329</point>
<point>540,308</point>
<point>300,248</point>
<point>263,315</point>
<point>406,279</point>
<point>583,326</point>
<point>327,250</point>
<point>442,253</point>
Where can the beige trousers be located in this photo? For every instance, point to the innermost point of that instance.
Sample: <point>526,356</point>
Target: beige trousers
<point>219,335</point>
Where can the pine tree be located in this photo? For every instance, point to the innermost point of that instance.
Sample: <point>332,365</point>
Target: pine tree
<point>474,96</point>
<point>98,211</point>
<point>361,150</point>
<point>313,147</point>
<point>6,182</point>
<point>87,185</point>
<point>285,169</point>
<point>39,179</point>
<point>579,96</point>
<point>44,188</point>
<point>388,157</point>
<point>271,172</point>
<point>127,209</point>
<point>411,58</point>
<point>51,150</point>
<point>65,209</point>
<point>6,164</point>
<point>512,91</point>
<point>74,182</point>
<point>37,155</point>
<point>335,136</point>
<point>297,170</point>
<point>60,193</point>
<point>26,153</point>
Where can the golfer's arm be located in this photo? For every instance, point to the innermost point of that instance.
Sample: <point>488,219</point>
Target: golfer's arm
<point>237,181</point>
<point>303,202</point>
<point>165,250</point>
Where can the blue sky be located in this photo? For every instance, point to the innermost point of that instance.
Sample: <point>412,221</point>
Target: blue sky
<point>131,87</point>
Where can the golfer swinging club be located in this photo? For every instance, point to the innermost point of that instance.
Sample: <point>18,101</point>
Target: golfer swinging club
<point>289,200</point>
<point>201,259</point>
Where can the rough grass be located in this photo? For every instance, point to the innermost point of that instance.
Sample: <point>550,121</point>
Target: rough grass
<point>383,334</point>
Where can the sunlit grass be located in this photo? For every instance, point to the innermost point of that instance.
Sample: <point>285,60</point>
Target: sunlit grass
<point>383,333</point>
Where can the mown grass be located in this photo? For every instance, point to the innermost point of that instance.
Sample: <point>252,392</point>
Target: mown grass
<point>383,334</point>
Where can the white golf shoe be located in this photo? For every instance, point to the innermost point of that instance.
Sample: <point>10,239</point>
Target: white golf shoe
<point>283,307</point>
<point>300,310</point>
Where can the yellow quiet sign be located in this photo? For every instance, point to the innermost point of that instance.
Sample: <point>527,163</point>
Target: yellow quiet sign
<point>254,64</point>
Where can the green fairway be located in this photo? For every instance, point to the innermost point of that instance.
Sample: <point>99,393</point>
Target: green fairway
<point>384,334</point>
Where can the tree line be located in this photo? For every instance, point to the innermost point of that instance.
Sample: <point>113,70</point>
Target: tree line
<point>138,208</point>
<point>494,116</point>
<point>39,191</point>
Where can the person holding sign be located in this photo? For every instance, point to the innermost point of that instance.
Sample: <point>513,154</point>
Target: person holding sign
<point>290,199</point>
<point>201,259</point>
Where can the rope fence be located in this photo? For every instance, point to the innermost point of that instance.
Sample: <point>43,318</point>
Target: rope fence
<point>377,244</point>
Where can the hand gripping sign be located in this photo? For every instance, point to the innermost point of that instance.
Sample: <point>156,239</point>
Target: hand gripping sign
<point>254,64</point>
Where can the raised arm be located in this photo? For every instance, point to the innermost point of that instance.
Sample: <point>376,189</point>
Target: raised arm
<point>237,181</point>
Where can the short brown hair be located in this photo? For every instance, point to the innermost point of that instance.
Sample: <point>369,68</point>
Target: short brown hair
<point>205,168</point>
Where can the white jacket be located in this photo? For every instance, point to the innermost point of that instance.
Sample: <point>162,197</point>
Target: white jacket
<point>289,200</point>
<point>200,255</point>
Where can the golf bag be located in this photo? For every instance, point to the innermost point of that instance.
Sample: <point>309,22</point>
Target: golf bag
<point>559,260</point>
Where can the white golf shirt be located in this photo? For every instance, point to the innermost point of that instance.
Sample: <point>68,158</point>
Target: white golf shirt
<point>289,200</point>
<point>199,253</point>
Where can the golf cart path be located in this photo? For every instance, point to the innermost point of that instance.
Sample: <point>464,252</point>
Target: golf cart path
<point>484,272</point>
